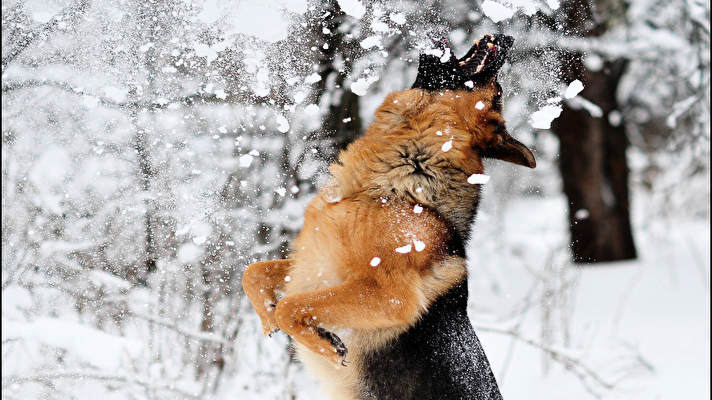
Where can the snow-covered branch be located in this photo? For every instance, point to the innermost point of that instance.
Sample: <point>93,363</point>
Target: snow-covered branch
<point>187,100</point>
<point>570,360</point>
<point>66,17</point>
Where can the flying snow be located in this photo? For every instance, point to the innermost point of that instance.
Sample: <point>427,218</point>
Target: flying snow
<point>447,146</point>
<point>480,105</point>
<point>282,124</point>
<point>375,261</point>
<point>371,41</point>
<point>476,179</point>
<point>582,213</point>
<point>419,245</point>
<point>417,209</point>
<point>313,78</point>
<point>245,160</point>
<point>574,89</point>
<point>360,87</point>
<point>353,8</point>
<point>404,249</point>
<point>542,119</point>
<point>398,18</point>
<point>496,11</point>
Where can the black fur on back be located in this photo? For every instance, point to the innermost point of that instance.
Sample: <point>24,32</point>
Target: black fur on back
<point>438,358</point>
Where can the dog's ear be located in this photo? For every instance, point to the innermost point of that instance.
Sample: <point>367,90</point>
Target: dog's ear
<point>507,148</point>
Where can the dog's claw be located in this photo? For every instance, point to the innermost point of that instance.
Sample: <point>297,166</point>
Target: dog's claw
<point>339,346</point>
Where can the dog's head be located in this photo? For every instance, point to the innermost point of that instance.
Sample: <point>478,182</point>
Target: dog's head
<point>426,142</point>
<point>469,87</point>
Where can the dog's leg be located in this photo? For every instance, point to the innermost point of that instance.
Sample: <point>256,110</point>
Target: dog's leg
<point>260,281</point>
<point>360,304</point>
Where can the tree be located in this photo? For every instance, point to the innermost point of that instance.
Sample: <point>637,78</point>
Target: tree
<point>592,149</point>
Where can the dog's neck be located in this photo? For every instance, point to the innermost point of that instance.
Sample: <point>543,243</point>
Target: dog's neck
<point>407,172</point>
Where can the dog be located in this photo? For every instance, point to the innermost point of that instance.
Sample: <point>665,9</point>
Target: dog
<point>375,294</point>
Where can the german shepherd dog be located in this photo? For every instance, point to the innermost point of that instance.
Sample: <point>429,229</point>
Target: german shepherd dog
<point>375,292</point>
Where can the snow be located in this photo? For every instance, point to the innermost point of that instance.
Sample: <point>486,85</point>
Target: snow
<point>353,8</point>
<point>375,261</point>
<point>581,213</point>
<point>478,179</point>
<point>496,12</point>
<point>480,105</point>
<point>92,346</point>
<point>210,52</point>
<point>404,249</point>
<point>371,41</point>
<point>419,245</point>
<point>360,87</point>
<point>447,146</point>
<point>542,118</point>
<point>189,253</point>
<point>579,102</point>
<point>446,55</point>
<point>574,88</point>
<point>615,306</point>
<point>417,209</point>
<point>200,240</point>
<point>282,124</point>
<point>246,160</point>
<point>397,18</point>
<point>116,94</point>
<point>313,78</point>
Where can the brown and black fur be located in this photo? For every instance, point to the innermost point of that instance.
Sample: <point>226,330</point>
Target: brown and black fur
<point>398,330</point>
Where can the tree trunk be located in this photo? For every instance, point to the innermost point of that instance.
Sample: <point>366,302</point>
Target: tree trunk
<point>594,169</point>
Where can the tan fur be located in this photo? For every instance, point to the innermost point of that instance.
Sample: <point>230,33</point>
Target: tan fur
<point>367,211</point>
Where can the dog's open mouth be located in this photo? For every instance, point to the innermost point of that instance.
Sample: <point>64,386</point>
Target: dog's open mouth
<point>477,67</point>
<point>488,51</point>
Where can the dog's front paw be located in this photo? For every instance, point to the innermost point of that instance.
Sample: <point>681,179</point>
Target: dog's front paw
<point>338,348</point>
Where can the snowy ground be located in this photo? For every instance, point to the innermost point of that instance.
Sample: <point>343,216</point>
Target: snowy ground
<point>658,305</point>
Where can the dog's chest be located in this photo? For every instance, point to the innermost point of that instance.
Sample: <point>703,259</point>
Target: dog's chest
<point>318,252</point>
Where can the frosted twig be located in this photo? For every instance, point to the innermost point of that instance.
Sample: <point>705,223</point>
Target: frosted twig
<point>576,366</point>
<point>67,15</point>
<point>192,99</point>
<point>200,336</point>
